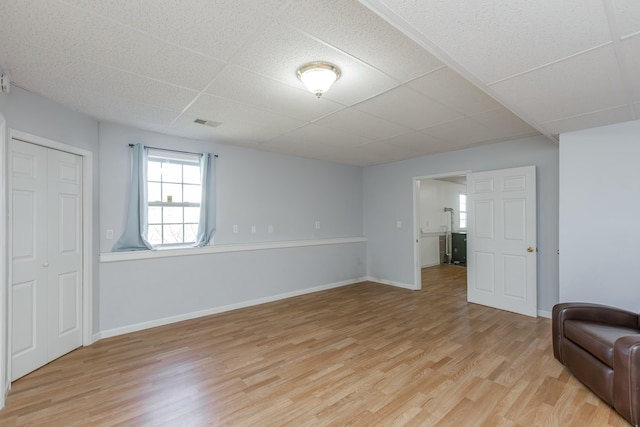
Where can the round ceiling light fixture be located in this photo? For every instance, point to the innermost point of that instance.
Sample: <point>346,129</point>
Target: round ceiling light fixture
<point>318,76</point>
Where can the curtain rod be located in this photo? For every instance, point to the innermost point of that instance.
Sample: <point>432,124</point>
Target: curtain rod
<point>168,149</point>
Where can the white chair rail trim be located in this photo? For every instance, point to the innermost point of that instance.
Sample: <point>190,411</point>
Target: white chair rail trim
<point>164,253</point>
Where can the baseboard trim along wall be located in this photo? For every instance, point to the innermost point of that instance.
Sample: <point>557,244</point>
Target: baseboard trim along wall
<point>216,310</point>
<point>391,283</point>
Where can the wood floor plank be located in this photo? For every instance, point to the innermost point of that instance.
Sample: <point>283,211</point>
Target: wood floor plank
<point>361,355</point>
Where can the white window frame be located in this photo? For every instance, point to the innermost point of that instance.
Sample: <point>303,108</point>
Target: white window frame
<point>462,212</point>
<point>172,157</point>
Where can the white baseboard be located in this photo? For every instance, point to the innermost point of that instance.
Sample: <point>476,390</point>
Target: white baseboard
<point>544,313</point>
<point>215,310</point>
<point>391,283</point>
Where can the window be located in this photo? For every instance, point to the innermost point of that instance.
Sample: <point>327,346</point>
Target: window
<point>174,194</point>
<point>462,207</point>
<point>172,201</point>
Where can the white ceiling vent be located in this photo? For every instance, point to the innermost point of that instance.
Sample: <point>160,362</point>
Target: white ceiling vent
<point>207,123</point>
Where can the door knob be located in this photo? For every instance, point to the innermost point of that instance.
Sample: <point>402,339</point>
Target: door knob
<point>529,249</point>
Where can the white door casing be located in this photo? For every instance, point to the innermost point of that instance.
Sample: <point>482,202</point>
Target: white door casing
<point>501,239</point>
<point>47,258</point>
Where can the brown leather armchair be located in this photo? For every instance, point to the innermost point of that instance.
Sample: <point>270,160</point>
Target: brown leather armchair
<point>600,345</point>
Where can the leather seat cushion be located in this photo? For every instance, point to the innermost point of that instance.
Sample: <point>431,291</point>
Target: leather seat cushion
<point>596,338</point>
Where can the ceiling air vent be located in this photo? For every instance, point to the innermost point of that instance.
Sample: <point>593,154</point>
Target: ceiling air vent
<point>207,123</point>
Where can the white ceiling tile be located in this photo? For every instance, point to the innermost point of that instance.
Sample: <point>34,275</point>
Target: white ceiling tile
<point>321,138</point>
<point>244,86</point>
<point>627,16</point>
<point>461,133</point>
<point>240,121</point>
<point>357,31</point>
<point>215,29</point>
<point>281,50</point>
<point>355,122</point>
<point>578,85</point>
<point>117,83</point>
<point>417,141</point>
<point>447,87</point>
<point>60,28</point>
<point>250,136</point>
<point>589,120</point>
<point>631,57</point>
<point>118,110</point>
<point>503,123</point>
<point>408,108</point>
<point>500,38</point>
<point>373,153</point>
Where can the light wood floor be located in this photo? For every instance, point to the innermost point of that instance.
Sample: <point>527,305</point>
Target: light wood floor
<point>365,355</point>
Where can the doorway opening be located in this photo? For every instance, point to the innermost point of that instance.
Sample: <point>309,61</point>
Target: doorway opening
<point>440,220</point>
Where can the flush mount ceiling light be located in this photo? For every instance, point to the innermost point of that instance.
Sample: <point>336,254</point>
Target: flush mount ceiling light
<point>318,76</point>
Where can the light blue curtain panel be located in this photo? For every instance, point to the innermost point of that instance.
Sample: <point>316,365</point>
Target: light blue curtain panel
<point>207,225</point>
<point>133,238</point>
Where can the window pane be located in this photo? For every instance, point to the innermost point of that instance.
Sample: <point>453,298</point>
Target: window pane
<point>172,234</point>
<point>154,215</point>
<point>153,192</point>
<point>171,172</point>
<point>190,232</point>
<point>153,236</point>
<point>191,174</point>
<point>173,190</point>
<point>192,193</point>
<point>172,215</point>
<point>174,176</point>
<point>192,215</point>
<point>154,170</point>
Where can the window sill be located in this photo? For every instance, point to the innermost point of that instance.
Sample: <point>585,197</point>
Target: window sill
<point>174,252</point>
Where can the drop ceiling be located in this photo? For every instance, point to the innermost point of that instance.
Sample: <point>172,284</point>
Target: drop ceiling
<point>418,78</point>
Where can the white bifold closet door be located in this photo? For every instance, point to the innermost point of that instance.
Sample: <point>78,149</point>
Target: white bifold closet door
<point>46,250</point>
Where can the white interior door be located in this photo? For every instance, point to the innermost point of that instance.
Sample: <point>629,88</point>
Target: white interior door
<point>28,166</point>
<point>501,239</point>
<point>64,253</point>
<point>46,286</point>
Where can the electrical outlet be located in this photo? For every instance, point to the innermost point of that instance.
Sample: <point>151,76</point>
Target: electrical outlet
<point>317,225</point>
<point>109,234</point>
<point>235,228</point>
<point>398,224</point>
<point>270,229</point>
<point>253,229</point>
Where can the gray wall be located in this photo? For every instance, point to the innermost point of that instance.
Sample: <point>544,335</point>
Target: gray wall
<point>253,188</point>
<point>600,200</point>
<point>388,198</point>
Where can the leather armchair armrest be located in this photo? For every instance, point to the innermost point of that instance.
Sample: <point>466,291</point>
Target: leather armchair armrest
<point>626,377</point>
<point>588,312</point>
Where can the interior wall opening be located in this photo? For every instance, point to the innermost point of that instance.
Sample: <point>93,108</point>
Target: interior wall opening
<point>441,219</point>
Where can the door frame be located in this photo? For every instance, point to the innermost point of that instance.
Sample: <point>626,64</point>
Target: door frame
<point>87,233</point>
<point>417,278</point>
<point>4,275</point>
